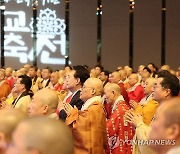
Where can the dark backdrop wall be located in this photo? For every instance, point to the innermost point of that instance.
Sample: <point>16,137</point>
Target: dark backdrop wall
<point>147,35</point>
<point>173,33</point>
<point>147,32</point>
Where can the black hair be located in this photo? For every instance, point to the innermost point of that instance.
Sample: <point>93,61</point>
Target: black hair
<point>106,72</point>
<point>169,81</point>
<point>68,66</point>
<point>146,68</point>
<point>34,67</point>
<point>50,70</point>
<point>26,80</point>
<point>100,66</point>
<point>81,72</point>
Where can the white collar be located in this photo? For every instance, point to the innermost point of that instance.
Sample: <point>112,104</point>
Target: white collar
<point>145,99</point>
<point>134,87</point>
<point>53,116</point>
<point>120,98</point>
<point>90,101</point>
<point>120,81</point>
<point>2,82</point>
<point>45,80</point>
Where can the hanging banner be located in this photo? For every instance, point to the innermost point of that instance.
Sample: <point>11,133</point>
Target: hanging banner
<point>51,38</point>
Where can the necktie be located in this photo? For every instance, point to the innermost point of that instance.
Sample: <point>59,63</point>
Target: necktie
<point>69,99</point>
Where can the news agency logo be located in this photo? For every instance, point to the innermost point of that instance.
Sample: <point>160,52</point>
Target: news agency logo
<point>147,142</point>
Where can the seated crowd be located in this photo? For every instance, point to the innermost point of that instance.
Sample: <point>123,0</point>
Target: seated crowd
<point>83,111</point>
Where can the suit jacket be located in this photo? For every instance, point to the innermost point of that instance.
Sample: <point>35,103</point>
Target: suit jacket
<point>74,101</point>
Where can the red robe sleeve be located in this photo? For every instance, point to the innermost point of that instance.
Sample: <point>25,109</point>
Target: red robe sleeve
<point>124,93</point>
<point>137,94</point>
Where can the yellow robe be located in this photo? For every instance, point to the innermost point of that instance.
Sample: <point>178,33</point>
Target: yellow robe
<point>23,104</point>
<point>142,133</point>
<point>89,128</point>
<point>148,110</point>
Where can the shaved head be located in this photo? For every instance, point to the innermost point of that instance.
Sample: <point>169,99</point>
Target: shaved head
<point>9,71</point>
<point>92,87</point>
<point>113,87</point>
<point>133,79</point>
<point>96,84</point>
<point>9,118</point>
<point>115,77</point>
<point>171,109</point>
<point>2,74</point>
<point>166,125</point>
<point>122,74</point>
<point>44,102</point>
<point>111,92</point>
<point>48,96</point>
<point>43,136</point>
<point>135,76</point>
<point>151,80</point>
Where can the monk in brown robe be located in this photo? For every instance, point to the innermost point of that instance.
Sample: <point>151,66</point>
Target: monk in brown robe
<point>89,124</point>
<point>5,89</point>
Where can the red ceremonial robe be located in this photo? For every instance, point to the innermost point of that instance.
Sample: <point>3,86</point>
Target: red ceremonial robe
<point>120,133</point>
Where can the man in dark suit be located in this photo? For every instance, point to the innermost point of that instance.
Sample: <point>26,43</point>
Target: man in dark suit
<point>75,80</point>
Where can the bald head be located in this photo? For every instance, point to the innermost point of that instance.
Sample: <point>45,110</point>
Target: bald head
<point>2,74</point>
<point>115,77</point>
<point>43,136</point>
<point>145,75</point>
<point>44,102</point>
<point>133,79</point>
<point>128,71</point>
<point>151,81</point>
<point>92,87</point>
<point>9,71</point>
<point>9,118</point>
<point>112,91</point>
<point>96,84</point>
<point>122,74</point>
<point>149,85</point>
<point>23,70</point>
<point>166,125</point>
<point>171,109</point>
<point>113,87</point>
<point>17,74</point>
<point>165,67</point>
